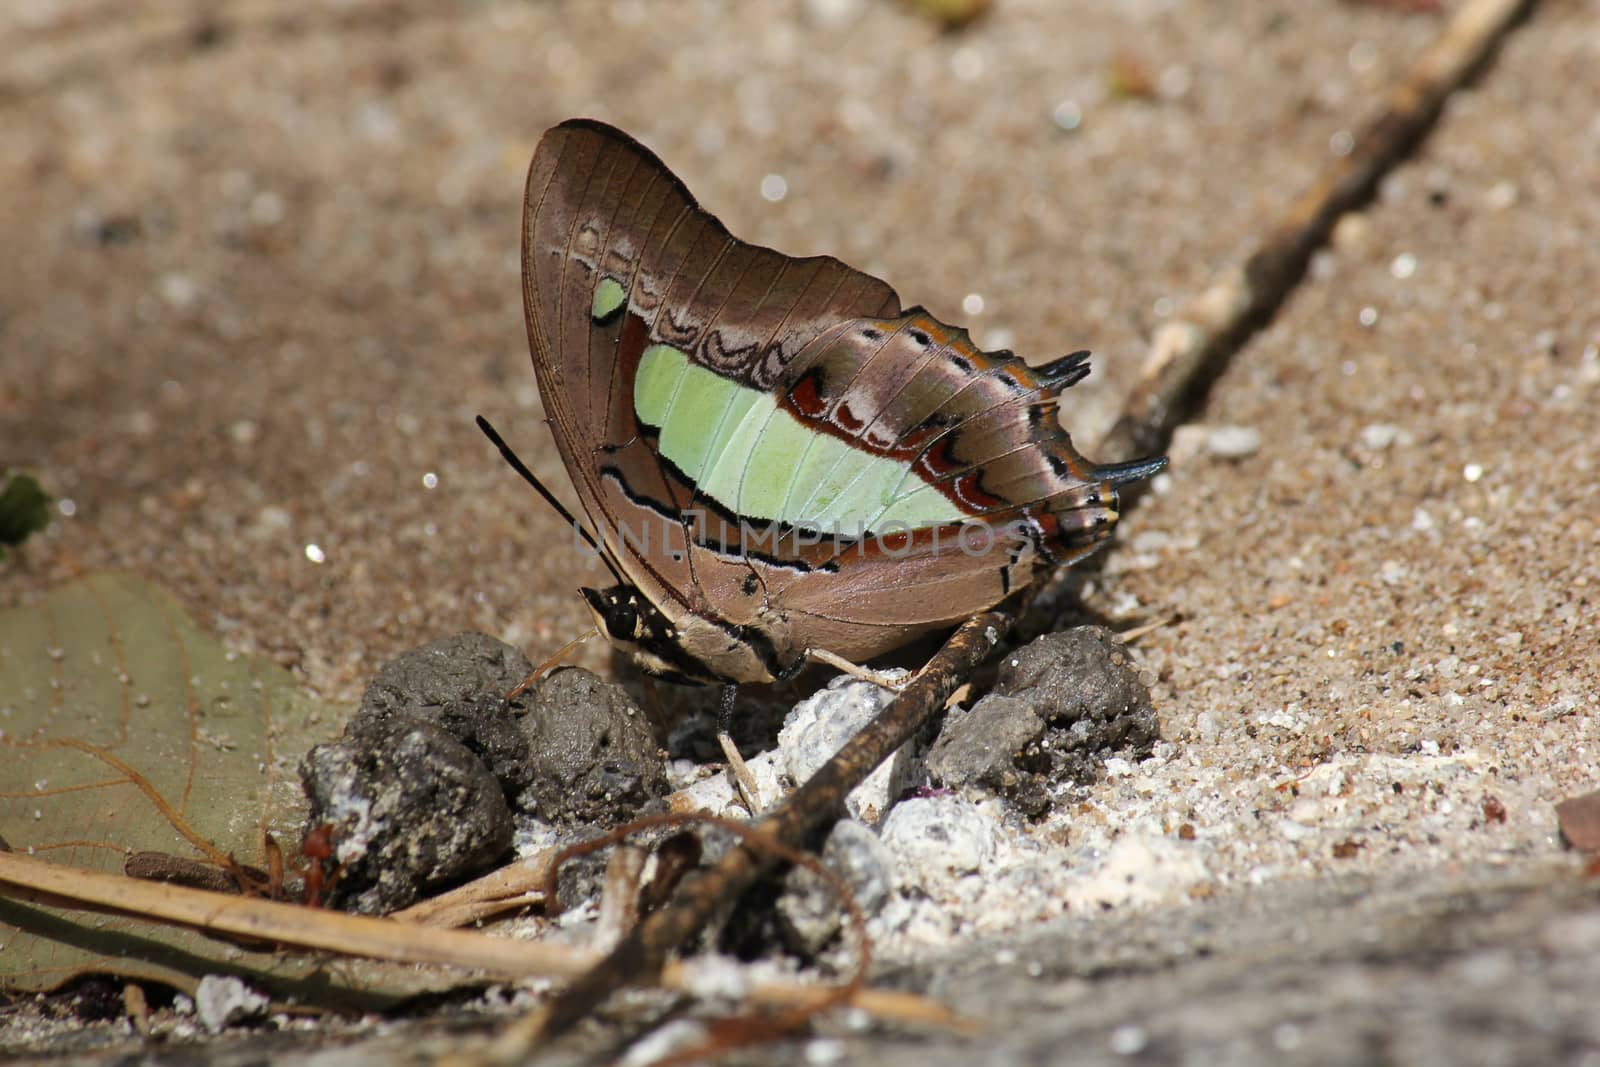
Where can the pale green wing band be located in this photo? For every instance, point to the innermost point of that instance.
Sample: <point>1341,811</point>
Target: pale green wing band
<point>752,457</point>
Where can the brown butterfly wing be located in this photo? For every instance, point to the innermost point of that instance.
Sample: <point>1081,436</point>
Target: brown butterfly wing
<point>600,205</point>
<point>980,430</point>
<point>975,430</point>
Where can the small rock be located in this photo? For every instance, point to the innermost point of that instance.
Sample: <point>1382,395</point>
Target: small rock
<point>718,795</point>
<point>1218,442</point>
<point>934,839</point>
<point>1233,442</point>
<point>1378,436</point>
<point>810,914</point>
<point>1188,443</point>
<point>1137,870</point>
<point>834,13</point>
<point>1350,232</point>
<point>464,666</point>
<point>983,744</point>
<point>411,808</point>
<point>458,683</point>
<point>1501,195</point>
<point>820,725</point>
<point>676,1036</point>
<point>592,755</point>
<point>1083,679</point>
<point>179,291</point>
<point>1058,705</point>
<point>222,1000</point>
<point>579,886</point>
<point>1579,820</point>
<point>860,857</point>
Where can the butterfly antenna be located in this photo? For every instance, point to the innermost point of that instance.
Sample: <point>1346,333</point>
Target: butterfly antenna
<point>548,665</point>
<point>549,497</point>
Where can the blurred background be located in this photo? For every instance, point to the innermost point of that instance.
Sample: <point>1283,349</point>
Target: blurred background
<point>261,271</point>
<point>262,257</point>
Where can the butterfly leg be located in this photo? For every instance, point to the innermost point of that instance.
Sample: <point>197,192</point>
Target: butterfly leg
<point>892,681</point>
<point>749,791</point>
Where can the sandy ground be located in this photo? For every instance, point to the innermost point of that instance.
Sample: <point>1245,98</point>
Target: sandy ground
<point>261,271</point>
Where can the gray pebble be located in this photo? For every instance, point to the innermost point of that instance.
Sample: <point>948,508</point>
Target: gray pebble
<point>982,745</point>
<point>933,839</point>
<point>810,914</point>
<point>458,683</point>
<point>1059,705</point>
<point>821,724</point>
<point>440,674</point>
<point>593,757</point>
<point>1083,678</point>
<point>411,809</point>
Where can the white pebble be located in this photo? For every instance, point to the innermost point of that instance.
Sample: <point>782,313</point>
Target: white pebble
<point>675,1036</point>
<point>1379,435</point>
<point>179,291</point>
<point>821,724</point>
<point>825,1050</point>
<point>1501,195</point>
<point>1128,1040</point>
<point>222,1000</point>
<point>266,209</point>
<point>774,187</point>
<point>244,432</point>
<point>1233,442</point>
<point>935,838</point>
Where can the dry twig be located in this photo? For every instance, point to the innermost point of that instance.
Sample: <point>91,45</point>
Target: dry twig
<point>641,955</point>
<point>27,878</point>
<point>513,886</point>
<point>1189,352</point>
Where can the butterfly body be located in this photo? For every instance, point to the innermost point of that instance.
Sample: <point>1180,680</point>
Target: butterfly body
<point>776,455</point>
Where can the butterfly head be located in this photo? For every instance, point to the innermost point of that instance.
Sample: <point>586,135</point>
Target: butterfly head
<point>695,651</point>
<point>634,625</point>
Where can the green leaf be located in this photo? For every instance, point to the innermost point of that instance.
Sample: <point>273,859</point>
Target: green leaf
<point>106,679</point>
<point>24,510</point>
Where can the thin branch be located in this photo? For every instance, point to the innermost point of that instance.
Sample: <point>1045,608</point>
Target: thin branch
<point>515,885</point>
<point>1189,352</point>
<point>640,956</point>
<point>27,878</point>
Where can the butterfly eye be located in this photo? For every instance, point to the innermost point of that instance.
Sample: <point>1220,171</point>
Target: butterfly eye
<point>622,620</point>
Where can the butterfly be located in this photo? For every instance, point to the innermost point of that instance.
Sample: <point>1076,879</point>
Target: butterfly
<point>780,461</point>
